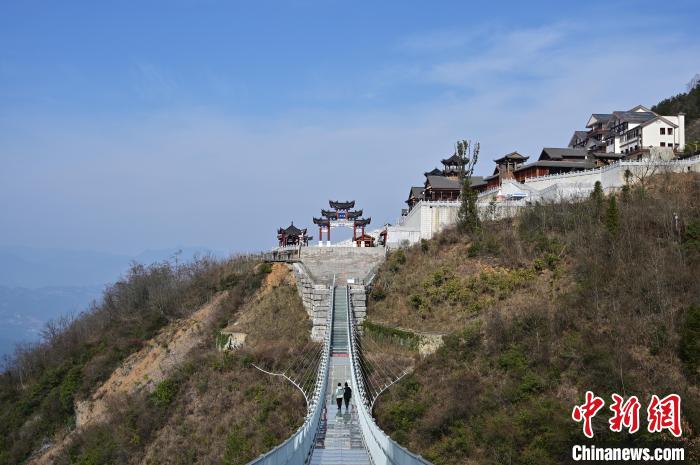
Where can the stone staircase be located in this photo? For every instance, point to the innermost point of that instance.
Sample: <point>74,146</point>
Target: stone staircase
<point>339,336</point>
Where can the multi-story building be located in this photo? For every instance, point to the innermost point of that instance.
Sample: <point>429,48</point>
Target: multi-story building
<point>631,132</point>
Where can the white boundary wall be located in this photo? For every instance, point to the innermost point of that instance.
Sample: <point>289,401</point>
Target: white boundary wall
<point>427,218</point>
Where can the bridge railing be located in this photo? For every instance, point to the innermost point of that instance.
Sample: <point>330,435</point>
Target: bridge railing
<point>382,449</point>
<point>297,449</point>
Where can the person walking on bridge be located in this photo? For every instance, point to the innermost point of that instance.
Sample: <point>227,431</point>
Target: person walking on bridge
<point>339,392</point>
<point>347,394</point>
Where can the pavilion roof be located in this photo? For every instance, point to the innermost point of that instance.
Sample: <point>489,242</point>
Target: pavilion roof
<point>292,230</point>
<point>347,205</point>
<point>454,160</point>
<point>514,156</point>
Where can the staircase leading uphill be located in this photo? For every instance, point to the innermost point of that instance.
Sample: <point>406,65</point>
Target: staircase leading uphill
<point>339,336</point>
<point>339,438</point>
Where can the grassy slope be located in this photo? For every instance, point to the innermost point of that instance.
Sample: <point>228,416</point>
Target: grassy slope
<point>214,408</point>
<point>538,310</point>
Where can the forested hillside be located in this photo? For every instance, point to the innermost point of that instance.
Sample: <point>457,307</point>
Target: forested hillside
<point>688,103</point>
<point>601,295</point>
<point>142,377</point>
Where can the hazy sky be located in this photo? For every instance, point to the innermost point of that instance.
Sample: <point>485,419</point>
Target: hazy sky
<point>133,125</point>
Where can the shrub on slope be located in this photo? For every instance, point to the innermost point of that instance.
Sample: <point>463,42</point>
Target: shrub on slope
<point>610,311</point>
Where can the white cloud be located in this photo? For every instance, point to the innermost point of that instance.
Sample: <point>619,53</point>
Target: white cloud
<point>511,52</point>
<point>198,176</point>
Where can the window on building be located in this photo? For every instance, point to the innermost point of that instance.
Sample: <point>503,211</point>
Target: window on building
<point>669,131</point>
<point>663,144</point>
<point>662,131</point>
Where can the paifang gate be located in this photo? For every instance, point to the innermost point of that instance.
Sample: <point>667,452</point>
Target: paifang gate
<point>342,214</point>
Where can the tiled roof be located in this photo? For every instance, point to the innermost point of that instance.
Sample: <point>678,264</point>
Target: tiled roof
<point>442,182</point>
<point>416,192</point>
<point>512,156</point>
<point>476,181</point>
<point>342,205</point>
<point>555,153</point>
<point>453,160</point>
<point>583,165</point>
<point>434,172</point>
<point>292,230</point>
<point>634,116</point>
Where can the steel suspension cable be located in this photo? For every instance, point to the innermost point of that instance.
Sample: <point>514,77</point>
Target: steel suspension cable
<point>308,360</point>
<point>312,368</point>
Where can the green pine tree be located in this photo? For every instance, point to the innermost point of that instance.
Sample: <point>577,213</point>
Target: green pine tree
<point>612,217</point>
<point>468,215</point>
<point>597,197</point>
<point>625,193</point>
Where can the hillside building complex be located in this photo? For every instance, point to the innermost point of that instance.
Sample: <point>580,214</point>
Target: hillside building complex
<point>631,132</point>
<point>615,149</point>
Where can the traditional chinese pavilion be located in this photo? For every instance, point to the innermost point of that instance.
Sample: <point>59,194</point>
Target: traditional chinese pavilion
<point>453,166</point>
<point>342,214</point>
<point>292,235</point>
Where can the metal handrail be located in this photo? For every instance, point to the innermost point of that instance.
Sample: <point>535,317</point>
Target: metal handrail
<point>382,449</point>
<point>297,449</point>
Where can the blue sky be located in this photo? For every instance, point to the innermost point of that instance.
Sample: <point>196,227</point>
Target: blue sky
<point>126,126</point>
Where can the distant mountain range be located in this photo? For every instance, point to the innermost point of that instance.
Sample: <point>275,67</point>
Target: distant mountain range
<point>37,285</point>
<point>36,267</point>
<point>23,311</point>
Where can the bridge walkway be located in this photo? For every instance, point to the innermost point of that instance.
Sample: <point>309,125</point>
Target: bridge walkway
<point>339,438</point>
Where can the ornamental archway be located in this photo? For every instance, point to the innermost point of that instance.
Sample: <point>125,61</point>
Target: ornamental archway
<point>342,215</point>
